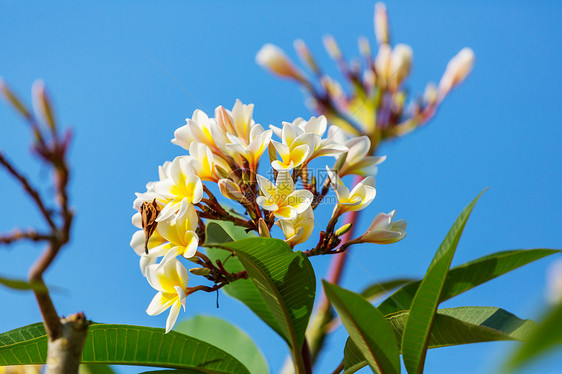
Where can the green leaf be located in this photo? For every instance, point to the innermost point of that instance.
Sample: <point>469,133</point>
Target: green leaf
<point>367,327</point>
<point>467,276</point>
<point>243,290</point>
<point>424,305</point>
<point>227,337</point>
<point>123,345</point>
<point>543,337</point>
<point>22,285</point>
<point>378,289</point>
<point>455,326</point>
<point>284,278</point>
<point>286,282</point>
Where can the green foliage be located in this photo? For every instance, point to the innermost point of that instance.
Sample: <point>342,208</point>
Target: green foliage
<point>467,276</point>
<point>123,345</point>
<point>284,279</point>
<point>376,290</point>
<point>542,338</point>
<point>227,337</point>
<point>454,326</point>
<point>367,327</point>
<point>21,285</point>
<point>424,305</point>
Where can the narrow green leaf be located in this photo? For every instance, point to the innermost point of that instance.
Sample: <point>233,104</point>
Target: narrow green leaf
<point>424,305</point>
<point>467,276</point>
<point>456,326</point>
<point>367,327</point>
<point>243,290</point>
<point>543,337</point>
<point>229,338</point>
<point>378,289</point>
<point>123,345</point>
<point>22,285</point>
<point>285,280</point>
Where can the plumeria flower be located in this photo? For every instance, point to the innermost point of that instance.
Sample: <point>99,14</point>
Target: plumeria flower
<point>180,234</point>
<point>281,198</point>
<point>180,183</point>
<point>203,129</point>
<point>238,121</point>
<point>299,229</point>
<point>173,237</point>
<point>251,149</point>
<point>301,141</point>
<point>383,231</point>
<point>357,161</point>
<point>359,198</point>
<point>204,163</point>
<point>170,280</point>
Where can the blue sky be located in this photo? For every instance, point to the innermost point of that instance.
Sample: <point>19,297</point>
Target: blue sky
<point>116,73</point>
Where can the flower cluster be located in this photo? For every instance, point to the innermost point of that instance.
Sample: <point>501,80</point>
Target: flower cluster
<point>226,150</point>
<point>376,105</point>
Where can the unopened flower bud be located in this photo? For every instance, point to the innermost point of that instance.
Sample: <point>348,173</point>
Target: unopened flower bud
<point>332,47</point>
<point>231,190</point>
<point>42,104</point>
<point>381,23</point>
<point>200,271</point>
<point>224,120</point>
<point>275,60</point>
<point>430,94</point>
<point>400,65</point>
<point>364,47</point>
<point>382,65</point>
<point>457,70</point>
<point>13,100</point>
<point>305,55</point>
<point>263,230</point>
<point>344,229</point>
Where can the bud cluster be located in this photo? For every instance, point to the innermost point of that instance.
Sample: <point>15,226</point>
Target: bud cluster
<point>376,105</point>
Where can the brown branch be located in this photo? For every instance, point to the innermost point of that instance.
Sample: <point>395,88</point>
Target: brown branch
<point>18,235</point>
<point>31,191</point>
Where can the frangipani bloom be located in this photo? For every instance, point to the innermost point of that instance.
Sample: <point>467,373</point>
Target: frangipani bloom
<point>170,280</point>
<point>204,163</point>
<point>251,149</point>
<point>180,183</point>
<point>281,198</point>
<point>359,198</point>
<point>302,141</point>
<point>383,231</point>
<point>203,129</point>
<point>357,161</point>
<point>299,229</point>
<point>172,237</point>
<point>180,233</point>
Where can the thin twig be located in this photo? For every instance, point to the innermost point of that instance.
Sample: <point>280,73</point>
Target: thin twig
<point>31,191</point>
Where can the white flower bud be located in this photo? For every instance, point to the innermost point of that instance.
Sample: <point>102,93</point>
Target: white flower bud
<point>457,70</point>
<point>275,60</point>
<point>381,23</point>
<point>400,65</point>
<point>332,47</point>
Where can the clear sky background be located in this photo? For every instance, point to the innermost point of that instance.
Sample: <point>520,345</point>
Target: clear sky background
<point>116,71</point>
